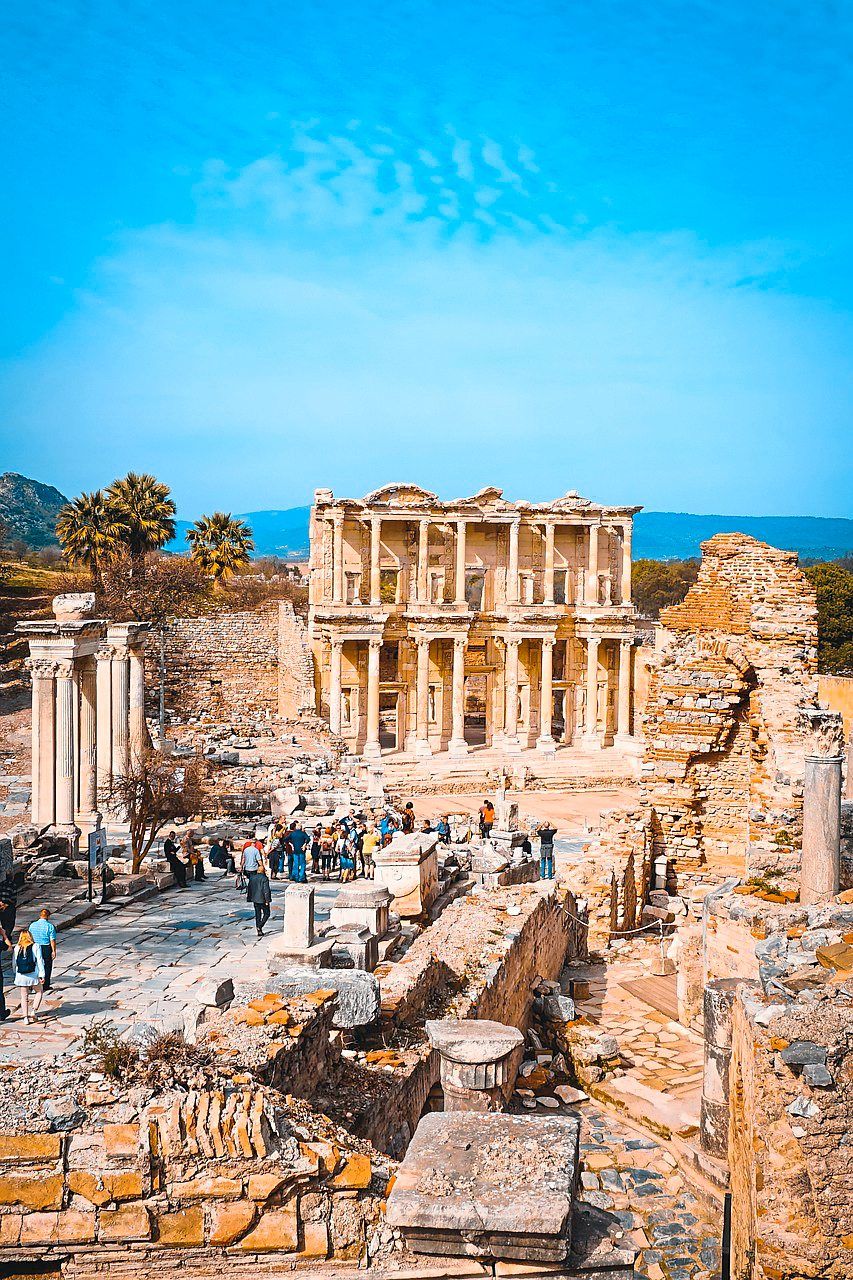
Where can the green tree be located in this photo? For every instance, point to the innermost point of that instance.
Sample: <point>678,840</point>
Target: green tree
<point>220,544</point>
<point>90,533</point>
<point>144,506</point>
<point>657,584</point>
<point>833,584</point>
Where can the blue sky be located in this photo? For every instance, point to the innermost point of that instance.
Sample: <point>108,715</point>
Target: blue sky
<point>260,248</point>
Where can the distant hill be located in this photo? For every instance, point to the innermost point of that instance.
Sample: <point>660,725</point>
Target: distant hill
<point>29,509</point>
<point>676,535</point>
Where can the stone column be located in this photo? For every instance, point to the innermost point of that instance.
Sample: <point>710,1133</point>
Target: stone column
<point>375,545</point>
<point>478,1062</point>
<point>626,564</point>
<point>512,566</point>
<point>43,672</point>
<point>138,730</point>
<point>545,741</point>
<point>422,595</point>
<point>714,1122</point>
<point>458,746</point>
<point>511,742</point>
<point>338,557</point>
<point>65,770</point>
<point>592,566</point>
<point>821,861</point>
<point>848,785</point>
<point>623,706</point>
<point>590,728</point>
<point>120,714</point>
<point>104,726</point>
<point>372,750</point>
<point>459,591</point>
<point>88,734</point>
<point>548,592</point>
<point>422,747</point>
<point>336,648</point>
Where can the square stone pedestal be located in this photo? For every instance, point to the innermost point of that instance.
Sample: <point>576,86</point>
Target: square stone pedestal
<point>408,868</point>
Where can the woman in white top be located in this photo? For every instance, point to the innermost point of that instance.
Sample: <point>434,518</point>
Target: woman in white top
<point>28,968</point>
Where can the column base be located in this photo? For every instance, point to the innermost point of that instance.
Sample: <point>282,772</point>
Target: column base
<point>423,750</point>
<point>457,749</point>
<point>591,742</point>
<point>546,745</point>
<point>88,821</point>
<point>66,831</point>
<point>626,741</point>
<point>511,745</point>
<point>372,751</point>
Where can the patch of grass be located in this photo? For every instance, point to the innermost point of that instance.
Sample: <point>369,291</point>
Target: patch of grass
<point>102,1042</point>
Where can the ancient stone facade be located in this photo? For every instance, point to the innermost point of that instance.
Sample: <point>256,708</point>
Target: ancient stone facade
<point>441,625</point>
<point>723,766</point>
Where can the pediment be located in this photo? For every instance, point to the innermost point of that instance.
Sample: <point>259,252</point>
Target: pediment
<point>401,495</point>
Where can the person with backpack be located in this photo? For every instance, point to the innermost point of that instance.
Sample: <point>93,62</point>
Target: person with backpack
<point>5,944</point>
<point>28,968</point>
<point>43,934</point>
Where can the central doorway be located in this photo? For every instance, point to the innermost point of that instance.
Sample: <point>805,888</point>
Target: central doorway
<point>476,691</point>
<point>389,721</point>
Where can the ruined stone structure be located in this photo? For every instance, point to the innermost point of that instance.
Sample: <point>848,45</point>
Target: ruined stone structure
<point>441,625</point>
<point>88,694</point>
<point>723,767</point>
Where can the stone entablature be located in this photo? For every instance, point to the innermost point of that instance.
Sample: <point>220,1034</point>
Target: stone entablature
<point>88,697</point>
<point>436,625</point>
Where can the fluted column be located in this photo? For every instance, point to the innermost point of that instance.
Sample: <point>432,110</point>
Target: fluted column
<point>88,755</point>
<point>422,596</point>
<point>821,849</point>
<point>458,746</point>
<point>104,722</point>
<point>511,742</point>
<point>592,566</point>
<point>461,531</point>
<point>626,564</point>
<point>65,771</point>
<point>375,544</point>
<point>338,557</point>
<point>120,714</point>
<point>623,705</point>
<point>548,592</point>
<point>43,672</point>
<point>545,741</point>
<point>371,746</point>
<point>590,729</point>
<point>138,730</point>
<point>422,746</point>
<point>336,649</point>
<point>512,566</point>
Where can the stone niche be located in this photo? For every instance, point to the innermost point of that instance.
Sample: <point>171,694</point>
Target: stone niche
<point>408,868</point>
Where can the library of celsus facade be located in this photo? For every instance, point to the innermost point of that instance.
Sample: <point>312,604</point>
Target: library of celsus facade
<point>442,626</point>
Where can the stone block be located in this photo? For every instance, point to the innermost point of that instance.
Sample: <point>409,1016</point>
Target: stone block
<point>215,993</point>
<point>355,1175</point>
<point>128,1222</point>
<point>315,1239</point>
<point>121,1139</point>
<point>30,1148</point>
<point>10,1229</point>
<point>74,1226</point>
<point>180,1229</point>
<point>210,1188</point>
<point>34,1191</point>
<point>358,991</point>
<point>230,1220</point>
<point>277,1230</point>
<point>87,1185</point>
<point>123,1185</point>
<point>263,1185</point>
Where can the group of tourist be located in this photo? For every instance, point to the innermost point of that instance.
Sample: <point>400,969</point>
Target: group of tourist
<point>32,962</point>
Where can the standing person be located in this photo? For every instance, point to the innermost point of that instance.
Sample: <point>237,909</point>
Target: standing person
<point>408,819</point>
<point>326,844</point>
<point>176,864</point>
<point>546,835</point>
<point>487,818</point>
<point>443,829</point>
<point>354,845</point>
<point>28,968</point>
<point>5,945</point>
<point>387,827</point>
<point>369,845</point>
<point>316,849</point>
<point>43,934</point>
<point>341,852</point>
<point>259,893</point>
<point>297,839</point>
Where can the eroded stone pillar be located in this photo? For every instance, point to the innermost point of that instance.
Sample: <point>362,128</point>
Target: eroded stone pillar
<point>458,746</point>
<point>626,565</point>
<point>43,672</point>
<point>65,762</point>
<point>371,746</point>
<point>548,588</point>
<point>461,530</point>
<point>422,595</point>
<point>623,703</point>
<point>120,706</point>
<point>375,548</point>
<point>592,566</point>
<point>336,649</point>
<point>590,728</point>
<point>422,746</point>
<point>104,722</point>
<point>338,557</point>
<point>511,742</point>
<point>718,1002</point>
<point>137,728</point>
<point>512,565</point>
<point>88,816</point>
<point>478,1062</point>
<point>545,741</point>
<point>821,859</point>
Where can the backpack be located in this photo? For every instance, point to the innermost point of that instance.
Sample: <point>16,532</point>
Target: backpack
<point>26,960</point>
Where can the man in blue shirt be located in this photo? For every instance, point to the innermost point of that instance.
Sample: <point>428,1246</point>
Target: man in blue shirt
<point>297,839</point>
<point>44,937</point>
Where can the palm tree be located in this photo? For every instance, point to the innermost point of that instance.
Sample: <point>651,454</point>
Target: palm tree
<point>147,512</point>
<point>90,532</point>
<point>220,544</point>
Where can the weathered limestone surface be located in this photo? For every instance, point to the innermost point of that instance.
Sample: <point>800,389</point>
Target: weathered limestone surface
<point>408,868</point>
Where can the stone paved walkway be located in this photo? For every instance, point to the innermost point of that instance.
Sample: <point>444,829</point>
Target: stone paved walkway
<point>141,962</point>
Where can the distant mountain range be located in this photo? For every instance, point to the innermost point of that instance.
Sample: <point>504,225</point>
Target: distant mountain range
<point>29,510</point>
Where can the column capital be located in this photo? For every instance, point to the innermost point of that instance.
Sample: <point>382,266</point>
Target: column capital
<point>336,516</point>
<point>64,669</point>
<point>548,642</point>
<point>43,668</point>
<point>375,642</point>
<point>336,642</point>
<point>459,643</point>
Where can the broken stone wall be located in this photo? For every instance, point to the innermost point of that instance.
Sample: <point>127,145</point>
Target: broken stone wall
<point>296,694</point>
